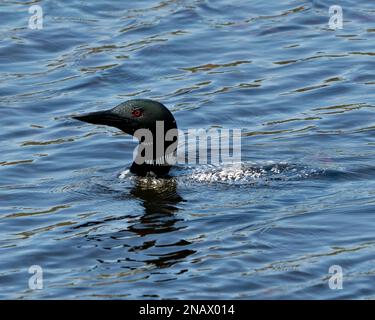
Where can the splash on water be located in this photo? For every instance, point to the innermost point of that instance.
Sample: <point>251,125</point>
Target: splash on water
<point>246,173</point>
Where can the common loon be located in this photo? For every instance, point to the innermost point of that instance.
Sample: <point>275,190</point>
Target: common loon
<point>133,115</point>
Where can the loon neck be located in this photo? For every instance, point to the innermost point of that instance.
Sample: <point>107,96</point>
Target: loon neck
<point>149,169</point>
<point>157,163</point>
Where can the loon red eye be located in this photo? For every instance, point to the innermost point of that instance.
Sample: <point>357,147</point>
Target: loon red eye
<point>137,113</point>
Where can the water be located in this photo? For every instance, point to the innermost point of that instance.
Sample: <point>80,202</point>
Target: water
<point>302,201</point>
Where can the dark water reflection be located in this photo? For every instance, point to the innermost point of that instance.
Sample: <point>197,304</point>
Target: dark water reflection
<point>159,217</point>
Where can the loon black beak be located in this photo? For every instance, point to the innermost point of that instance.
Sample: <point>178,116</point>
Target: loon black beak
<point>106,117</point>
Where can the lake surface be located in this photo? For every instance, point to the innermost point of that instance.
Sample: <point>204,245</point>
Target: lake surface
<point>302,94</point>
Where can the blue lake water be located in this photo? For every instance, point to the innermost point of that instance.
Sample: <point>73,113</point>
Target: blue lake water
<point>302,94</point>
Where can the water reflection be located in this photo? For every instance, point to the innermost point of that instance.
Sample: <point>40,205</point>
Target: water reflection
<point>160,207</point>
<point>160,217</point>
<point>149,238</point>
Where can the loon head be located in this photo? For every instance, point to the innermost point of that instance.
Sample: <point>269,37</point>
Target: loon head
<point>130,117</point>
